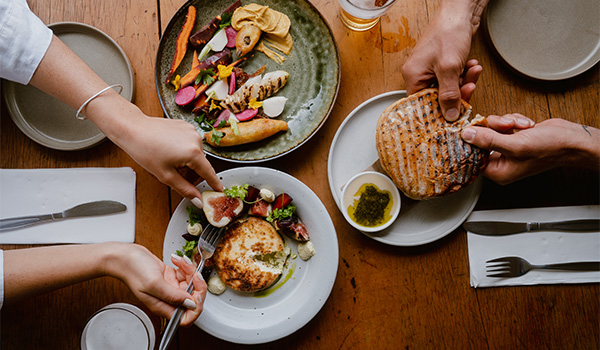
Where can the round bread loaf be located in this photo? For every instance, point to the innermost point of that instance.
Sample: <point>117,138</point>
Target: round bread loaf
<point>250,255</point>
<point>422,152</point>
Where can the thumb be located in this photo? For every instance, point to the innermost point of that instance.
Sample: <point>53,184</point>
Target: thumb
<point>449,95</point>
<point>487,138</point>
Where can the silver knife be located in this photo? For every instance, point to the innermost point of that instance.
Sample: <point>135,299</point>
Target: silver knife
<point>499,228</point>
<point>82,210</point>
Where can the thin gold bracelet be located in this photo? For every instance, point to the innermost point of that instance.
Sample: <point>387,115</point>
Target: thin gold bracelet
<point>81,117</point>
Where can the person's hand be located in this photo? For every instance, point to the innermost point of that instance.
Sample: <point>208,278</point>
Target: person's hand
<point>160,287</point>
<point>522,149</point>
<point>164,146</point>
<point>440,57</point>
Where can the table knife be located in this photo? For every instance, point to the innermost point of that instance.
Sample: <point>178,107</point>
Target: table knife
<point>82,210</point>
<point>499,228</point>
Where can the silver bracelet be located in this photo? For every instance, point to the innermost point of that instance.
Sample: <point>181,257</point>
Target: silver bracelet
<point>81,117</point>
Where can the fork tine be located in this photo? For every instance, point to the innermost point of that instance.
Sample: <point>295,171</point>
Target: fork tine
<point>493,269</point>
<point>502,259</point>
<point>505,274</point>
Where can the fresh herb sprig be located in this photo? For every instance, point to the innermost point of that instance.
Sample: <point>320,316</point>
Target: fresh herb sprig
<point>188,249</point>
<point>283,213</point>
<point>225,20</point>
<point>206,76</point>
<point>207,125</point>
<point>237,191</point>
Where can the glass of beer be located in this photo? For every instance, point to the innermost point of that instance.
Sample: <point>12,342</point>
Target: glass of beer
<point>361,15</point>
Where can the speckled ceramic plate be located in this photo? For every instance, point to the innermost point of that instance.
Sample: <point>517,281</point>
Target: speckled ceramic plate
<point>312,88</point>
<point>247,318</point>
<point>545,39</point>
<point>51,122</point>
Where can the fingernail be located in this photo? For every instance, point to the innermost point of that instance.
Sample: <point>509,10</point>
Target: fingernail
<point>197,202</point>
<point>176,257</point>
<point>524,122</point>
<point>189,304</point>
<point>187,260</point>
<point>468,134</point>
<point>452,114</point>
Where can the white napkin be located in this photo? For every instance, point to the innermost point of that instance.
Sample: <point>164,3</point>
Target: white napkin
<point>43,191</point>
<point>538,247</point>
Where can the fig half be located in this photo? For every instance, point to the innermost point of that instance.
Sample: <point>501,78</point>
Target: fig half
<point>220,209</point>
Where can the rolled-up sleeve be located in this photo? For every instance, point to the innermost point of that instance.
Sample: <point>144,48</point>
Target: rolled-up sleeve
<point>24,40</point>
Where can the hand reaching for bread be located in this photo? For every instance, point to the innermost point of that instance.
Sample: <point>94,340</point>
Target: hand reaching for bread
<point>522,148</point>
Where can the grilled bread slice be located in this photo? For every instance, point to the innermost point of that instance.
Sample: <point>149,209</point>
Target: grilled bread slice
<point>250,256</point>
<point>422,152</point>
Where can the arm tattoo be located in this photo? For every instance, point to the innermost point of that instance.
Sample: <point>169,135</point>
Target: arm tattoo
<point>586,129</point>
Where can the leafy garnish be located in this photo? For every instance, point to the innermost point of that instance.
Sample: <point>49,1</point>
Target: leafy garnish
<point>206,76</point>
<point>225,20</point>
<point>207,125</point>
<point>283,213</point>
<point>188,249</point>
<point>192,216</point>
<point>237,191</point>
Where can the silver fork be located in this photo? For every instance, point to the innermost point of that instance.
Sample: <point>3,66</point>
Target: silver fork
<point>207,242</point>
<point>514,266</point>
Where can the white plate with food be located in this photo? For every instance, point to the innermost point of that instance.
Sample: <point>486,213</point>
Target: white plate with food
<point>304,287</point>
<point>546,40</point>
<point>419,222</point>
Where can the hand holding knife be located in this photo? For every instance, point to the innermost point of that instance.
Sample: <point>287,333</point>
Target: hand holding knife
<point>500,228</point>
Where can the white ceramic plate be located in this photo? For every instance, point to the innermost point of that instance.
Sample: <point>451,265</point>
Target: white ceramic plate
<point>51,122</point>
<point>353,150</point>
<point>243,318</point>
<point>545,39</point>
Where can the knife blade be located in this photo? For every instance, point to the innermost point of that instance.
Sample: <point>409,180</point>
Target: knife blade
<point>82,210</point>
<point>499,228</point>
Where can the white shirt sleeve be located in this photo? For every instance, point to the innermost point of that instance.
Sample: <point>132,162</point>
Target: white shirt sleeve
<point>24,40</point>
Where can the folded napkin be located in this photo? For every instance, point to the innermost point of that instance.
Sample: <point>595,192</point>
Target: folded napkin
<point>538,247</point>
<point>26,192</point>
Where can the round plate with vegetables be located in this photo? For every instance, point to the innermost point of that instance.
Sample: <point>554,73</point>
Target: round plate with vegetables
<point>304,285</point>
<point>256,78</point>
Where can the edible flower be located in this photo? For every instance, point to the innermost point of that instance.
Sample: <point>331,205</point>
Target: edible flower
<point>213,106</point>
<point>224,71</point>
<point>254,104</point>
<point>176,82</point>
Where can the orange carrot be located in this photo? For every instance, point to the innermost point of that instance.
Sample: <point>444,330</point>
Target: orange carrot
<point>182,41</point>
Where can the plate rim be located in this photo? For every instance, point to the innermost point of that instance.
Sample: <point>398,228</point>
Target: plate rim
<point>476,186</point>
<point>169,26</point>
<point>584,66</point>
<point>18,118</point>
<point>333,251</point>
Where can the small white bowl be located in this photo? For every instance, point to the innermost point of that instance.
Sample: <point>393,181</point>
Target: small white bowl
<point>384,183</point>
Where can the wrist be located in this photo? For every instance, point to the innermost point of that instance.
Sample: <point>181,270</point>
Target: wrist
<point>113,257</point>
<point>583,144</point>
<point>464,11</point>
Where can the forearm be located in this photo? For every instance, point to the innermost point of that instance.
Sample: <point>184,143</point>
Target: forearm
<point>463,11</point>
<point>65,76</point>
<point>28,272</point>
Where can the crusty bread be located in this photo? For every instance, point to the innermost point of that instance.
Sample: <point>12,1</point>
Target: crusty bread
<point>422,152</point>
<point>238,255</point>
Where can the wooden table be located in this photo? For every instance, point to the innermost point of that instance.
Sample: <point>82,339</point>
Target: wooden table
<point>384,297</point>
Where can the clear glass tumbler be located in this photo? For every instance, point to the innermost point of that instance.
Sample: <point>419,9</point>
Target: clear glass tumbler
<point>362,15</point>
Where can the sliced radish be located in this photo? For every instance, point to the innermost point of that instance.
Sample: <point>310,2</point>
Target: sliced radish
<point>231,34</point>
<point>231,82</point>
<point>185,95</point>
<point>218,91</point>
<point>224,115</point>
<point>219,41</point>
<point>246,114</point>
<point>273,106</point>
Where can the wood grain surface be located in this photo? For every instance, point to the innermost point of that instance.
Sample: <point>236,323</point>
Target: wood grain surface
<point>384,297</point>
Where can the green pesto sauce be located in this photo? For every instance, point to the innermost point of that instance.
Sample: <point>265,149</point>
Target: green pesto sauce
<point>372,208</point>
<point>268,291</point>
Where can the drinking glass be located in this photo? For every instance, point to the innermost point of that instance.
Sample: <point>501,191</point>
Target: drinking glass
<point>361,15</point>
